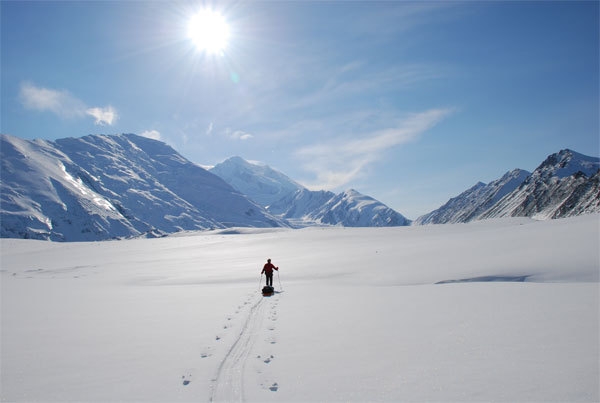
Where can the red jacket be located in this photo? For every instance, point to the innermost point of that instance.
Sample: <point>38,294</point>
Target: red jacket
<point>268,268</point>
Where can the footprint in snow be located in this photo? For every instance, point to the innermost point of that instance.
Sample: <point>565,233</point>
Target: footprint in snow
<point>274,387</point>
<point>186,380</point>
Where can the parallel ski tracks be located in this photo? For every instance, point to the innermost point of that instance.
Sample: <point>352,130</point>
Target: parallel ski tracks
<point>228,384</point>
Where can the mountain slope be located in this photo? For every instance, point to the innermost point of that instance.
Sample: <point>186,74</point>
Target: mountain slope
<point>43,197</point>
<point>470,204</point>
<point>565,184</point>
<point>260,182</point>
<point>353,209</point>
<point>301,204</point>
<point>287,199</point>
<point>102,187</point>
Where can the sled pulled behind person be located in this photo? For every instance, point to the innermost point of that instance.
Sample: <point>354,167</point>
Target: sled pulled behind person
<point>268,271</point>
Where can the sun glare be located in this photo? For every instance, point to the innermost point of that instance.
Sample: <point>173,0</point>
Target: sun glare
<point>209,31</point>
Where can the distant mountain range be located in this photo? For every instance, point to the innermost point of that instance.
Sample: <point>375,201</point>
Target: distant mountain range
<point>565,184</point>
<point>287,199</point>
<point>110,187</point>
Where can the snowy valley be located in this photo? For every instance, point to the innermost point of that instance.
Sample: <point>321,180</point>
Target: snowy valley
<point>495,310</point>
<point>501,309</point>
<point>272,201</point>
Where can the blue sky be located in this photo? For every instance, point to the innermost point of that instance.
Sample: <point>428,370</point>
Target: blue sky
<point>408,102</point>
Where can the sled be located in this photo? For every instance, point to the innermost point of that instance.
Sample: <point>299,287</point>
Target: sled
<point>267,291</point>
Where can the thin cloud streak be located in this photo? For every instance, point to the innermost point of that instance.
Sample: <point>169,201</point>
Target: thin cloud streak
<point>347,81</point>
<point>63,104</point>
<point>337,163</point>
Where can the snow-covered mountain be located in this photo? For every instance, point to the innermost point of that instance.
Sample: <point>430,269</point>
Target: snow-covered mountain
<point>103,187</point>
<point>353,209</point>
<point>301,204</point>
<point>260,182</point>
<point>565,184</point>
<point>473,202</point>
<point>291,201</point>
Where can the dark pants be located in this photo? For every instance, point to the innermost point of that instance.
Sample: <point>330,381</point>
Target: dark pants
<point>269,279</point>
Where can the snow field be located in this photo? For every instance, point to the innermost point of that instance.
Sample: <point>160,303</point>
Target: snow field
<point>464,342</point>
<point>359,316</point>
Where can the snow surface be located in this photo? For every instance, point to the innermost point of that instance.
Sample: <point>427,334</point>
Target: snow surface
<point>358,315</point>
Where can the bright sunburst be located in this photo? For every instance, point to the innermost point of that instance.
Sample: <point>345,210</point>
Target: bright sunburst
<point>209,31</point>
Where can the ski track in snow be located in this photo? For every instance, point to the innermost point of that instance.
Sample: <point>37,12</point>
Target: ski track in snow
<point>229,383</point>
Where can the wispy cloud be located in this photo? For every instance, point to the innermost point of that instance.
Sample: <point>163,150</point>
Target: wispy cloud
<point>63,104</point>
<point>241,135</point>
<point>59,102</point>
<point>356,81</point>
<point>103,116</point>
<point>338,162</point>
<point>238,134</point>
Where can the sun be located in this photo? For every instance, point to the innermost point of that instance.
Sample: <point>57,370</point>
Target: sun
<point>209,31</point>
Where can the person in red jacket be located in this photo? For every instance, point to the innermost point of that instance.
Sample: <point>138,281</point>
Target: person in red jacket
<point>268,270</point>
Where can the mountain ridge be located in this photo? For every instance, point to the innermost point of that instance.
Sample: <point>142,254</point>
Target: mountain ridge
<point>289,200</point>
<point>563,185</point>
<point>566,183</point>
<point>474,201</point>
<point>101,187</point>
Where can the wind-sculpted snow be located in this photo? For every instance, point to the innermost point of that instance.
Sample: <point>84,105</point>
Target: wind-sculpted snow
<point>357,315</point>
<point>487,279</point>
<point>44,196</point>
